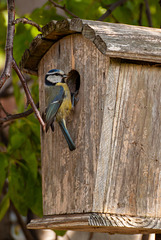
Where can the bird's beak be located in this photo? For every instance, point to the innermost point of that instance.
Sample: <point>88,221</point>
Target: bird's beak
<point>64,76</point>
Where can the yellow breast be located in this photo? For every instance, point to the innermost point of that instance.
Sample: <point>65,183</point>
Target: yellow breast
<point>66,105</point>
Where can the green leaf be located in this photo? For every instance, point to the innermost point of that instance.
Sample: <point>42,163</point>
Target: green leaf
<point>60,232</point>
<point>45,14</point>
<point>3,30</point>
<point>18,94</point>
<point>17,140</point>
<point>3,169</point>
<point>36,203</point>
<point>30,158</point>
<point>22,40</point>
<point>32,164</point>
<point>4,205</point>
<point>34,127</point>
<point>17,184</point>
<point>25,190</point>
<point>35,91</point>
<point>33,194</point>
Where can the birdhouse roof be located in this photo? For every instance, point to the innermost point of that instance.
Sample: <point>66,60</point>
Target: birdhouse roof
<point>112,39</point>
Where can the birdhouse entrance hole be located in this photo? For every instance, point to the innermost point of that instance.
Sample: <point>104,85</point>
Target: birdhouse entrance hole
<point>73,81</point>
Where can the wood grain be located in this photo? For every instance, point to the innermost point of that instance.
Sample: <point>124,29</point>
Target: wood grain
<point>115,169</point>
<point>111,182</point>
<point>111,39</point>
<point>124,41</point>
<point>96,222</point>
<point>129,161</point>
<point>68,178</point>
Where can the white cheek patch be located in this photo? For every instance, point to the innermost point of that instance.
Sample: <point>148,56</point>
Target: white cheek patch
<point>54,79</point>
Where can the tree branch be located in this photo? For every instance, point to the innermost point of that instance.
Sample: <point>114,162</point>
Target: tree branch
<point>63,8</point>
<point>10,62</point>
<point>140,14</point>
<point>22,224</point>
<point>10,117</point>
<point>8,90</point>
<point>9,43</point>
<point>28,94</point>
<point>160,3</point>
<point>1,107</point>
<point>27,21</point>
<point>111,9</point>
<point>148,13</point>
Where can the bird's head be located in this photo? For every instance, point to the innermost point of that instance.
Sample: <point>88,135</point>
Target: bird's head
<point>54,76</point>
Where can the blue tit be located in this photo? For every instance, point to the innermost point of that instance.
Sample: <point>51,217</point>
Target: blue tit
<point>58,102</point>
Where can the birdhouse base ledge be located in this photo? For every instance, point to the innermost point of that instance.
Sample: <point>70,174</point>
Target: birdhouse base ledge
<point>98,222</point>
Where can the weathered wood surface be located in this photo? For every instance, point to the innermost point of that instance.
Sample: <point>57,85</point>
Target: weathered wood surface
<point>114,40</point>
<point>96,222</point>
<point>116,126</point>
<point>129,161</point>
<point>31,57</point>
<point>68,177</point>
<point>125,41</point>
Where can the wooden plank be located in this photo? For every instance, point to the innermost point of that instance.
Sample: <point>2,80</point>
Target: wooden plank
<point>76,25</point>
<point>48,28</point>
<point>106,136</point>
<point>55,30</point>
<point>130,160</point>
<point>125,41</point>
<point>114,40</point>
<point>32,56</point>
<point>96,222</point>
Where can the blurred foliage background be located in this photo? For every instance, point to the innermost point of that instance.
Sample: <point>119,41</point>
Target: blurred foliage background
<point>20,165</point>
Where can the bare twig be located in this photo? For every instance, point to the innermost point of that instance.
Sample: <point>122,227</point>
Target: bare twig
<point>28,94</point>
<point>22,224</point>
<point>115,19</point>
<point>10,62</point>
<point>9,43</point>
<point>140,14</point>
<point>2,108</point>
<point>27,21</point>
<point>63,8</point>
<point>56,237</point>
<point>8,90</point>
<point>7,124</point>
<point>160,2</point>
<point>111,9</point>
<point>10,117</point>
<point>148,13</point>
<point>5,88</point>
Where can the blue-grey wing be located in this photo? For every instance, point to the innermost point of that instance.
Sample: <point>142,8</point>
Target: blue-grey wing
<point>54,102</point>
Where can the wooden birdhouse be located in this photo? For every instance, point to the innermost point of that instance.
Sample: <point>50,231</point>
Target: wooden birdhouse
<point>112,181</point>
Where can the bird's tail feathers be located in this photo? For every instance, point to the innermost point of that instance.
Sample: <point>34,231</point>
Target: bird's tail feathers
<point>67,135</point>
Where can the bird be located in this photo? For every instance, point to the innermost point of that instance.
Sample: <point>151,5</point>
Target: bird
<point>58,103</point>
